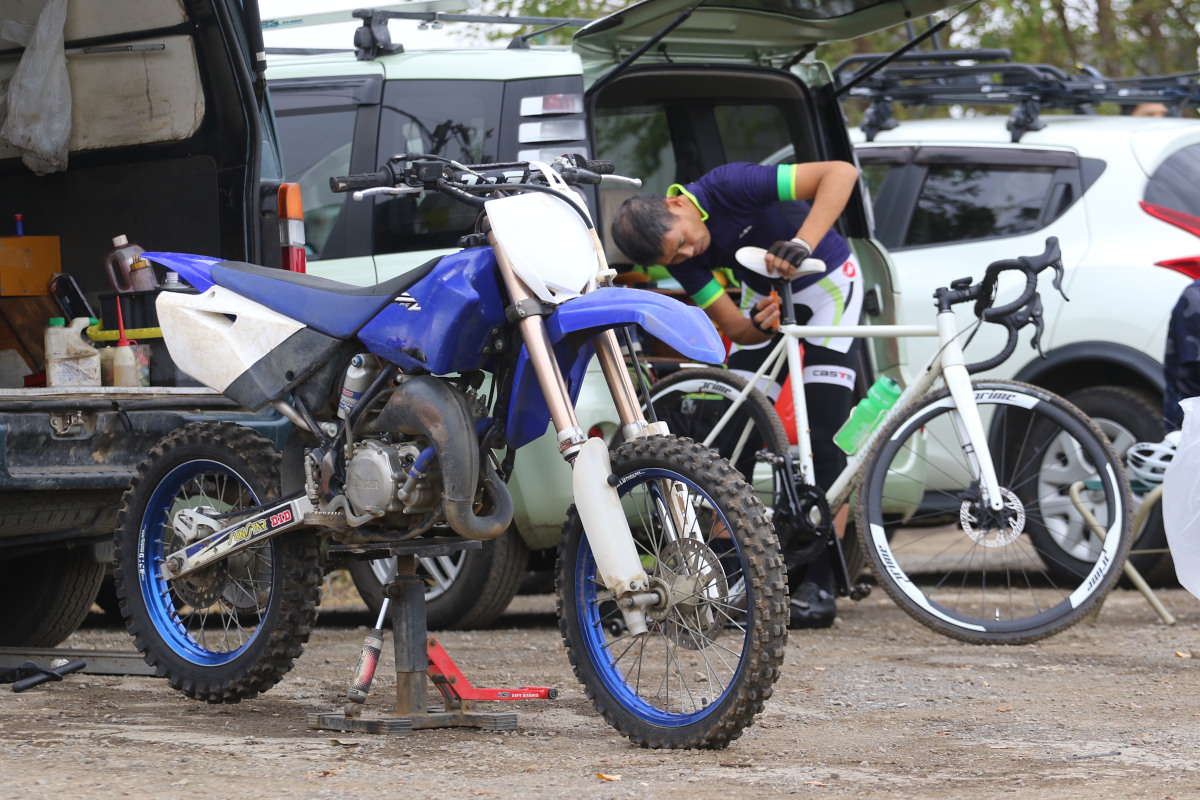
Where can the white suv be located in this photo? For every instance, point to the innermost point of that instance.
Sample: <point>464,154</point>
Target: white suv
<point>951,195</point>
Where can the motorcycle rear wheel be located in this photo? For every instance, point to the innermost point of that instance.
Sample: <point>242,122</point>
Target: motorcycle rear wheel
<point>713,651</point>
<point>233,629</point>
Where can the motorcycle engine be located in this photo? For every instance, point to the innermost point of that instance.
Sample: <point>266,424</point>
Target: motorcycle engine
<point>374,474</point>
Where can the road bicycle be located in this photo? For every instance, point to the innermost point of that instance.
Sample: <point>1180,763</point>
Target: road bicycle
<point>960,488</point>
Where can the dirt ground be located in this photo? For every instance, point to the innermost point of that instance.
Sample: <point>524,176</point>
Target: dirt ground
<point>876,706</point>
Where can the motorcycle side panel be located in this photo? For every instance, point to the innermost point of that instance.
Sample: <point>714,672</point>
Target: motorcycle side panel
<point>528,414</point>
<point>243,349</point>
<point>196,270</point>
<point>443,323</point>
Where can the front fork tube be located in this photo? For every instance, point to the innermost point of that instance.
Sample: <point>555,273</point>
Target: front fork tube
<point>968,423</point>
<point>596,500</point>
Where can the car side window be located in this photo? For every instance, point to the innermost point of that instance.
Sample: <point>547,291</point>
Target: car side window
<point>316,128</point>
<point>751,132</point>
<point>638,140</point>
<point>959,203</point>
<point>1176,183</point>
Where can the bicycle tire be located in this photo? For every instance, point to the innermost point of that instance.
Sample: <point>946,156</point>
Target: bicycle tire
<point>724,619</point>
<point>950,567</point>
<point>233,629</point>
<point>691,401</point>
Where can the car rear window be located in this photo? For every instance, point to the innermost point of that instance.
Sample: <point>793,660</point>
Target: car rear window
<point>1176,183</point>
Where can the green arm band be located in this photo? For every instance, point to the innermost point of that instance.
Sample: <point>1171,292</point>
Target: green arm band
<point>785,179</point>
<point>709,294</point>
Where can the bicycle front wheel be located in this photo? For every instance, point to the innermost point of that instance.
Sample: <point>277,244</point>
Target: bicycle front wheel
<point>980,575</point>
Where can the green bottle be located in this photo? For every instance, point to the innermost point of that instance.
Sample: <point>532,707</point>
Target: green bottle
<point>867,414</point>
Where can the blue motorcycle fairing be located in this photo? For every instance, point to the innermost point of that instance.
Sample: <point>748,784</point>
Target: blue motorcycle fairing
<point>196,270</point>
<point>687,329</point>
<point>528,414</point>
<point>445,322</point>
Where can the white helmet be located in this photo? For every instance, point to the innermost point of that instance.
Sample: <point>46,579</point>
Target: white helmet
<point>1148,461</point>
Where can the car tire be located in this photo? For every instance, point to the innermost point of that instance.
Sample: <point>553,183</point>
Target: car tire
<point>1126,417</point>
<point>48,595</point>
<point>474,589</point>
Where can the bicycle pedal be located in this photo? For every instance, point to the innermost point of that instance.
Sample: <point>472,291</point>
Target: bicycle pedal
<point>859,591</point>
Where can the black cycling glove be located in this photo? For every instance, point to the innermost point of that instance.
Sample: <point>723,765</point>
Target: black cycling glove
<point>794,252</point>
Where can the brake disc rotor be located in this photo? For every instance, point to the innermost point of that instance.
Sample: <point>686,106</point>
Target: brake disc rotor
<point>993,529</point>
<point>202,588</point>
<point>696,587</point>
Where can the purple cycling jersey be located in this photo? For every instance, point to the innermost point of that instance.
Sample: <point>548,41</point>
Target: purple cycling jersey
<point>741,205</point>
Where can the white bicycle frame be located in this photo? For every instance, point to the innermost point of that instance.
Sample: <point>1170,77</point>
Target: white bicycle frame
<point>947,363</point>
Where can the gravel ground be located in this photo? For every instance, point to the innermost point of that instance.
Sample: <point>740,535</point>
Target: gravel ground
<point>876,706</point>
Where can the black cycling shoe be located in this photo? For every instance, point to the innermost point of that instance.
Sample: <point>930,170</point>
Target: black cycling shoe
<point>811,607</point>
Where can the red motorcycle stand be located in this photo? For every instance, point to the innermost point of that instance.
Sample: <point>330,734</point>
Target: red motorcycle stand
<point>420,657</point>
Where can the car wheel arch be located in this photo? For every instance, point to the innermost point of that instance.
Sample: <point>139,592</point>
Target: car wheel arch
<point>1081,365</point>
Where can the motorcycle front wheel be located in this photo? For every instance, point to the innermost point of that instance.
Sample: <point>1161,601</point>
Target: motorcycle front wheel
<point>716,640</point>
<point>232,629</point>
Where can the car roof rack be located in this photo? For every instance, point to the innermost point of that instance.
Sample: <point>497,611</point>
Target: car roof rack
<point>940,77</point>
<point>373,39</point>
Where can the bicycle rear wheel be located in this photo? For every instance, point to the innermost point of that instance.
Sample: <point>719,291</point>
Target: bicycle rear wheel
<point>977,575</point>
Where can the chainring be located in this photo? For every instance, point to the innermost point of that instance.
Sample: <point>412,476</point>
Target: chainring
<point>800,537</point>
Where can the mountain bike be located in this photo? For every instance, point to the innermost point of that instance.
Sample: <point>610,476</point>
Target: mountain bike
<point>959,489</point>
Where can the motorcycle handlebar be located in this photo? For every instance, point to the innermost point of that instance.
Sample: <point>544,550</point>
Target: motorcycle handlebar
<point>367,180</point>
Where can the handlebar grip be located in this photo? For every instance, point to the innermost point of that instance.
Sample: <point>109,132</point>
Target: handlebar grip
<point>369,180</point>
<point>999,358</point>
<point>600,167</point>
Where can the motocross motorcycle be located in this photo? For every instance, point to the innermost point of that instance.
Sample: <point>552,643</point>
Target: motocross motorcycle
<point>671,590</point>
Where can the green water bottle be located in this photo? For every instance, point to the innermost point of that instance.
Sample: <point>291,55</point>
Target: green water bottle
<point>867,414</point>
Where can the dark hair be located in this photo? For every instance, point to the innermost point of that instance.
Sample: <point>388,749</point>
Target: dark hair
<point>639,226</point>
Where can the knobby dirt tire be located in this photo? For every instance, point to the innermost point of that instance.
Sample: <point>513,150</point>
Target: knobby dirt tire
<point>233,629</point>
<point>728,621</point>
<point>980,576</point>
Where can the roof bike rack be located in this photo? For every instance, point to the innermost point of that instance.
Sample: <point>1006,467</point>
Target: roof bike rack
<point>931,78</point>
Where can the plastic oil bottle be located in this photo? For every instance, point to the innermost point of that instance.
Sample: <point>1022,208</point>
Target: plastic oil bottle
<point>71,360</point>
<point>867,414</point>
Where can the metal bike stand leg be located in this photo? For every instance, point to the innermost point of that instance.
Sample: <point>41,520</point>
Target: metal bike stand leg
<point>1131,571</point>
<point>413,649</point>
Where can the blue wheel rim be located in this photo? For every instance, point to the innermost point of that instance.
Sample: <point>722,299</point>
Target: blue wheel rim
<point>610,657</point>
<point>205,637</point>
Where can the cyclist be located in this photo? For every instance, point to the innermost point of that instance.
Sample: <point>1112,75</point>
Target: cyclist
<point>698,226</point>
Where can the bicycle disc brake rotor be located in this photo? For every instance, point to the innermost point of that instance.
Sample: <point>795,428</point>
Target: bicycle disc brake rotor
<point>695,585</point>
<point>993,529</point>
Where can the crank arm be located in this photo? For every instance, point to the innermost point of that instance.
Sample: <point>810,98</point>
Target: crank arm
<point>265,524</point>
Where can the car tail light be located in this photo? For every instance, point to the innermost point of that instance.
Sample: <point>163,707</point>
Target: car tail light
<point>547,104</point>
<point>291,228</point>
<point>1189,266</point>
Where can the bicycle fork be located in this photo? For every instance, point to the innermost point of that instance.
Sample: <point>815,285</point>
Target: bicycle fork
<point>967,422</point>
